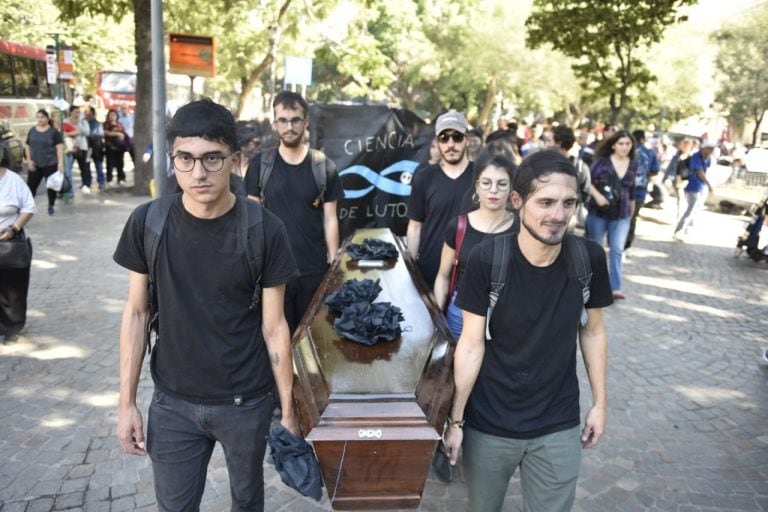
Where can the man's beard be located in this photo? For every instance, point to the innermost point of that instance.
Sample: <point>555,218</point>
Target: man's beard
<point>551,240</point>
<point>294,143</point>
<point>456,159</point>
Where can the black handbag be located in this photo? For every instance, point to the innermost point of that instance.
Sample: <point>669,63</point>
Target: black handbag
<point>16,252</point>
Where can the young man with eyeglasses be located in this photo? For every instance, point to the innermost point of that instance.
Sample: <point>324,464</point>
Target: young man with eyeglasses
<point>516,401</point>
<point>292,194</point>
<point>221,355</point>
<point>437,193</point>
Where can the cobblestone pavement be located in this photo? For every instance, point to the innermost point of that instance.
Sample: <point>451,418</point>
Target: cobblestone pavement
<point>688,419</point>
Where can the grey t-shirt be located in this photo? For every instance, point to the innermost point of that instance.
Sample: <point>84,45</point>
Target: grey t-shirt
<point>42,146</point>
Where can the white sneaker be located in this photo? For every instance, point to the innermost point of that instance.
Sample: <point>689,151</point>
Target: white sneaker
<point>85,189</point>
<point>678,236</point>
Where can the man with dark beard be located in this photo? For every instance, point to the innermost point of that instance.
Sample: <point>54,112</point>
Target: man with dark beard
<point>436,195</point>
<point>516,402</point>
<point>307,208</point>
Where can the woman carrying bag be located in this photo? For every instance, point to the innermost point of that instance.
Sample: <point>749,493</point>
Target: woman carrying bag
<point>16,208</point>
<point>45,156</point>
<point>493,187</point>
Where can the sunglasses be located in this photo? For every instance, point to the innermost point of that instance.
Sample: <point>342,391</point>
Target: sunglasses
<point>456,136</point>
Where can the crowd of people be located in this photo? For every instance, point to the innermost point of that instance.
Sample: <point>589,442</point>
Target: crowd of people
<point>490,221</point>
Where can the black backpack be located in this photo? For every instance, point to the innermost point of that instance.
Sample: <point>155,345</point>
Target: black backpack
<point>249,214</point>
<point>321,168</point>
<point>579,271</point>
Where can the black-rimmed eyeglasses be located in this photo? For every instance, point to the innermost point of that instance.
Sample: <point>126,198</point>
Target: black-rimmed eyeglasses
<point>213,162</point>
<point>295,122</point>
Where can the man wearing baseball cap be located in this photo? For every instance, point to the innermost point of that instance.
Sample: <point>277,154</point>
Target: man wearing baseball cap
<point>436,194</point>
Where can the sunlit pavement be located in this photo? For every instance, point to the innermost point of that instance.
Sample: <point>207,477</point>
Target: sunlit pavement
<point>688,417</point>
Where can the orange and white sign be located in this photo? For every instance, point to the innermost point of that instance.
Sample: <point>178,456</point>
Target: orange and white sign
<point>192,55</point>
<point>66,63</point>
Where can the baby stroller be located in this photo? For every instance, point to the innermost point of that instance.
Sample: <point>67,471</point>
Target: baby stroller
<point>751,238</point>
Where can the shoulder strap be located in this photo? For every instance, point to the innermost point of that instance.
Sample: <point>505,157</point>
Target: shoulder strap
<point>321,168</point>
<point>461,231</point>
<point>250,214</point>
<point>267,164</point>
<point>154,229</point>
<point>580,269</point>
<point>502,253</point>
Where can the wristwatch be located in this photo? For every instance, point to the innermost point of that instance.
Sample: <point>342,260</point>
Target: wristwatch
<point>15,229</point>
<point>456,423</point>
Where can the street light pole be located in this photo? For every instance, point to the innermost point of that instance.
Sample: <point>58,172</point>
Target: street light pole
<point>159,160</point>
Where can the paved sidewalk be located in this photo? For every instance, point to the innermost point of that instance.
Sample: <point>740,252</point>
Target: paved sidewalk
<point>688,417</point>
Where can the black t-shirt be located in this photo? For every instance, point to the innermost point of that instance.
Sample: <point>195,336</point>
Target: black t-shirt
<point>290,194</point>
<point>435,201</point>
<point>211,347</point>
<point>527,386</point>
<point>42,146</point>
<point>472,237</point>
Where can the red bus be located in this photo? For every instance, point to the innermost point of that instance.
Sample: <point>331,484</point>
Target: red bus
<point>116,89</point>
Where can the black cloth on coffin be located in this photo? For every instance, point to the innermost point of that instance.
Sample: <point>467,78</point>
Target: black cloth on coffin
<point>372,249</point>
<point>351,292</point>
<point>295,462</point>
<point>369,323</point>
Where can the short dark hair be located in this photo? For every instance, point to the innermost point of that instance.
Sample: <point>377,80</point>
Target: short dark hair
<point>44,113</point>
<point>206,119</point>
<point>477,132</point>
<point>638,135</point>
<point>290,99</point>
<point>538,165</point>
<point>496,160</point>
<point>72,108</point>
<point>606,147</point>
<point>564,137</point>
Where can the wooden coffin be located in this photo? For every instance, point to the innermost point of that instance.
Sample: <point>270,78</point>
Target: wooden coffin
<point>374,414</point>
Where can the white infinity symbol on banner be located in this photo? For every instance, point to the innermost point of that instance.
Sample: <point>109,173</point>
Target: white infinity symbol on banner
<point>380,180</point>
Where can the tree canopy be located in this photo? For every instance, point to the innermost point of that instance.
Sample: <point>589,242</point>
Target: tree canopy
<point>604,39</point>
<point>742,63</point>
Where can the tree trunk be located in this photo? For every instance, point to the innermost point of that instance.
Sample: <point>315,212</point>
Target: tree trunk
<point>490,99</point>
<point>142,128</point>
<point>249,84</point>
<point>758,121</point>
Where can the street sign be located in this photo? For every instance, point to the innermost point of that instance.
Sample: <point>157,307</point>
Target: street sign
<point>192,55</point>
<point>298,71</point>
<point>51,69</point>
<point>66,63</point>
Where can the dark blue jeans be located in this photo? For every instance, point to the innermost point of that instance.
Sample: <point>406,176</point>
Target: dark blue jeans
<point>181,436</point>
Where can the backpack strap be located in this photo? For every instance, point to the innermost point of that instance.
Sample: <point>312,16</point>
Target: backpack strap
<point>250,214</point>
<point>154,229</point>
<point>580,269</point>
<point>267,164</point>
<point>502,253</point>
<point>322,167</point>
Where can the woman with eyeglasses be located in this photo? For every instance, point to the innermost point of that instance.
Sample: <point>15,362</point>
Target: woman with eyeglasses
<point>493,216</point>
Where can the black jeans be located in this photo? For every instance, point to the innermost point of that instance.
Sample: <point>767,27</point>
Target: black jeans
<point>298,295</point>
<point>115,160</point>
<point>14,287</point>
<point>34,178</point>
<point>181,436</point>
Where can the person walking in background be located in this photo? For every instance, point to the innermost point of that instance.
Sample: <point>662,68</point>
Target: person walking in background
<point>76,131</point>
<point>17,206</point>
<point>96,144</point>
<point>677,170</point>
<point>211,368</point>
<point>45,155</point>
<point>115,141</point>
<point>436,195</point>
<point>493,216</point>
<point>696,188</point>
<point>474,143</point>
<point>291,192</point>
<point>647,167</point>
<point>613,200</point>
<point>516,402</point>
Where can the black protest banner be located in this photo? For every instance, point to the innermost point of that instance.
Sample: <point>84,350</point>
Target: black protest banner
<point>376,149</point>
